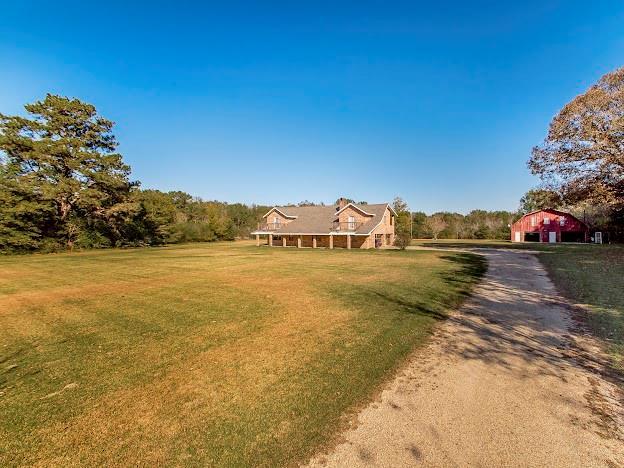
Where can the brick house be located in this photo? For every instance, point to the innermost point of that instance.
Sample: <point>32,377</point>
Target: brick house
<point>346,225</point>
<point>549,226</point>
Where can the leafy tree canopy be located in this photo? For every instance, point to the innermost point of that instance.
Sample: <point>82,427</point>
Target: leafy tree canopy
<point>582,156</point>
<point>539,199</point>
<point>403,224</point>
<point>399,205</point>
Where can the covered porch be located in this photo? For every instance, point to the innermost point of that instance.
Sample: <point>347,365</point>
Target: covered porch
<point>314,241</point>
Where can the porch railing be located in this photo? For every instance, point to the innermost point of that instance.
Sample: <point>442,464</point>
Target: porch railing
<point>269,226</point>
<point>346,226</point>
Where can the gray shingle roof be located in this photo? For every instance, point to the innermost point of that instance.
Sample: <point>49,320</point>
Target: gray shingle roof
<point>319,219</point>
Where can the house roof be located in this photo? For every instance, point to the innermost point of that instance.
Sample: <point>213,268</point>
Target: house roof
<point>319,219</point>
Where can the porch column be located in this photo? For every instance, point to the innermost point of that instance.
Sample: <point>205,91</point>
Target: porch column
<point>298,242</point>
<point>270,240</point>
<point>348,241</point>
<point>283,241</point>
<point>314,242</point>
<point>257,240</point>
<point>331,241</point>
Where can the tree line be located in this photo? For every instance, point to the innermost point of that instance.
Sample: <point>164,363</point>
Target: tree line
<point>478,224</point>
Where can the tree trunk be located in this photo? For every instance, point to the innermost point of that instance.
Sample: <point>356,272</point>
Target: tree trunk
<point>64,208</point>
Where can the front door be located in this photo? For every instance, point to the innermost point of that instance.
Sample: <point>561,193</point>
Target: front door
<point>552,237</point>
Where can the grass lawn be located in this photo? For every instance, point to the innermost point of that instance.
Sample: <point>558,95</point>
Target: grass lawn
<point>215,354</point>
<point>592,275</point>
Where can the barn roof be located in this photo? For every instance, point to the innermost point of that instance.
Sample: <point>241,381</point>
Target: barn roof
<point>552,210</point>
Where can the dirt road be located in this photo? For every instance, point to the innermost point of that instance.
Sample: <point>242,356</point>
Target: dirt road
<point>507,381</point>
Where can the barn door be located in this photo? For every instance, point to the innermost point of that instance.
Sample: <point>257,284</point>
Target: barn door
<point>552,237</point>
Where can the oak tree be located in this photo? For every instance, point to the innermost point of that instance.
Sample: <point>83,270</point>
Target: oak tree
<point>583,153</point>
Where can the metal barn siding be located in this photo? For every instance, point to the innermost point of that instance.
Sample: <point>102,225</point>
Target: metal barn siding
<point>549,226</point>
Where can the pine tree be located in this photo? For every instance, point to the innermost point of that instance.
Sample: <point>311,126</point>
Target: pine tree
<point>61,163</point>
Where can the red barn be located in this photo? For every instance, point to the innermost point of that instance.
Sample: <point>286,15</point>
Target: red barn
<point>549,226</point>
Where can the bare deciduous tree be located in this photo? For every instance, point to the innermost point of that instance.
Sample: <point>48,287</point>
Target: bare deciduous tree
<point>435,224</point>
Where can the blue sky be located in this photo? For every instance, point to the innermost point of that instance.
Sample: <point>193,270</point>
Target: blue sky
<point>438,102</point>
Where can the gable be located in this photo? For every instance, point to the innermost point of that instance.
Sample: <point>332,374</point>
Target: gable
<point>284,215</point>
<point>353,206</point>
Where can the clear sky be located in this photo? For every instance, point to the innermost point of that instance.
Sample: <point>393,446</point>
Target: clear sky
<point>266,102</point>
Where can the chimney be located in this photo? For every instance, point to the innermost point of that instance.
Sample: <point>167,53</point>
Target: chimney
<point>341,203</point>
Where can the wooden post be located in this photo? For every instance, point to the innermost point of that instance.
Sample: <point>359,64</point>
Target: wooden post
<point>283,241</point>
<point>270,240</point>
<point>314,242</point>
<point>348,241</point>
<point>257,240</point>
<point>331,241</point>
<point>298,242</point>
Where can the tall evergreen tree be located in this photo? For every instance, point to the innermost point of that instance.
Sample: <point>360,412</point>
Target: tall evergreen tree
<point>62,161</point>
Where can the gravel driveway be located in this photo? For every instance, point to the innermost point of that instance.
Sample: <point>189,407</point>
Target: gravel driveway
<point>507,381</point>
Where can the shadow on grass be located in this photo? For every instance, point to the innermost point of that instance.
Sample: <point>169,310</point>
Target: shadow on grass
<point>443,291</point>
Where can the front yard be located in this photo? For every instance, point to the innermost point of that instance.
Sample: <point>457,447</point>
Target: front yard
<point>215,354</point>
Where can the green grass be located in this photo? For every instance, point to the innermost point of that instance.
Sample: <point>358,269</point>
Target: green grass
<point>593,275</point>
<point>221,354</point>
<point>587,274</point>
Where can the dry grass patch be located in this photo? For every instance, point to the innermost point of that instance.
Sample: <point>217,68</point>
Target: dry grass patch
<point>222,354</point>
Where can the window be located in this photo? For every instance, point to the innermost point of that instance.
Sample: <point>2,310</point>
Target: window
<point>276,221</point>
<point>351,222</point>
<point>546,220</point>
<point>532,220</point>
<point>561,221</point>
